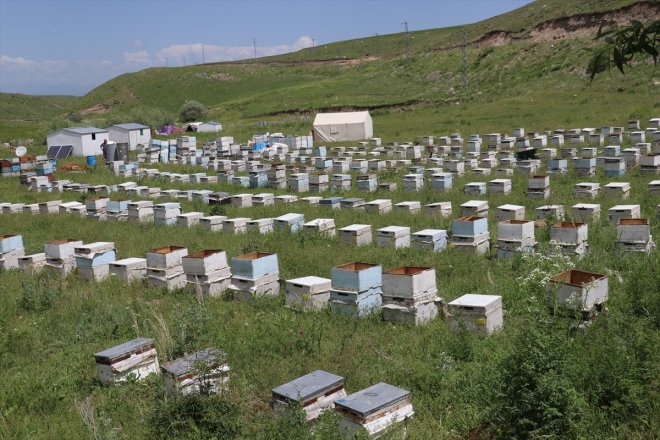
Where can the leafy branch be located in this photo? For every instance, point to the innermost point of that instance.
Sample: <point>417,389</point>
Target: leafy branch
<point>622,45</point>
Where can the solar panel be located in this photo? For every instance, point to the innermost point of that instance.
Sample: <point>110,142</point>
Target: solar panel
<point>65,151</point>
<point>52,151</point>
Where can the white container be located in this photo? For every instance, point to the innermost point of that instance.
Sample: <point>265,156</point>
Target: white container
<point>189,219</point>
<point>577,290</point>
<point>618,212</point>
<point>166,257</point>
<point>538,182</point>
<point>323,226</point>
<point>129,269</point>
<point>235,225</point>
<point>205,371</point>
<point>619,190</point>
<point>585,212</point>
<point>397,237</point>
<point>414,283</point>
<point>261,225</point>
<point>510,212</point>
<point>477,313</point>
<point>308,292</point>
<point>380,206</point>
<point>412,207</point>
<point>633,230</point>
<point>441,209</point>
<point>569,233</point>
<point>586,190</point>
<point>61,249</point>
<point>314,393</point>
<point>241,200</point>
<point>474,208</point>
<point>500,186</point>
<point>204,262</point>
<point>357,235</point>
<point>212,222</point>
<point>517,231</point>
<point>546,212</point>
<point>136,358</point>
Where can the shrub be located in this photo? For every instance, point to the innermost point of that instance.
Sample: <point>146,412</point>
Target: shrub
<point>191,111</point>
<point>39,293</point>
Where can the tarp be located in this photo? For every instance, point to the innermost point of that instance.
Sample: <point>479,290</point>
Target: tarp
<point>344,126</point>
<point>260,146</point>
<point>168,130</point>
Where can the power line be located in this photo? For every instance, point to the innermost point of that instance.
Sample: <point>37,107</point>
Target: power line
<point>463,35</point>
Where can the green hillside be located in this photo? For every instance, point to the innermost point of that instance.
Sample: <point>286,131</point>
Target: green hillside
<point>16,106</point>
<point>526,67</point>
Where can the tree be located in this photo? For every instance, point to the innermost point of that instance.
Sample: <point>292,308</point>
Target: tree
<point>191,111</point>
<point>622,45</point>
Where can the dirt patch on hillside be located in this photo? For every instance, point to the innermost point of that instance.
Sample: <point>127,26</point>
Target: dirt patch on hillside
<point>94,110</point>
<point>587,24</point>
<point>575,26</point>
<point>219,76</point>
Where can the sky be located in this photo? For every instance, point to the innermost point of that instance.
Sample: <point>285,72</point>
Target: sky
<point>68,47</point>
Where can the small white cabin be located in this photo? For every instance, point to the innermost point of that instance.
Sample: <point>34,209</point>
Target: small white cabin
<point>86,141</point>
<point>132,134</point>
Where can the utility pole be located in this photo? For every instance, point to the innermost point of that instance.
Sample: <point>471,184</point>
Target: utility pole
<point>203,55</point>
<point>184,60</point>
<point>314,48</point>
<point>167,62</point>
<point>464,59</point>
<point>406,36</point>
<point>375,43</point>
<point>254,44</point>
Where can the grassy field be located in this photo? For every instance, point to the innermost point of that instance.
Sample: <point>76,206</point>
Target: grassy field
<point>535,379</point>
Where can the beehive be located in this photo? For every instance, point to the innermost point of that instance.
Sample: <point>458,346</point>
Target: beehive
<point>309,292</point>
<point>136,359</point>
<point>577,290</point>
<point>357,235</point>
<point>396,237</point>
<point>477,313</point>
<point>202,372</point>
<point>314,392</point>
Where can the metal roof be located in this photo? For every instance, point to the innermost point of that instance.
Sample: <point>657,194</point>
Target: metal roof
<point>205,359</point>
<point>131,126</point>
<point>125,348</point>
<point>85,130</point>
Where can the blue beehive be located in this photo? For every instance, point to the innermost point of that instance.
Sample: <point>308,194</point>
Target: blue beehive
<point>588,162</point>
<point>243,181</point>
<point>320,151</point>
<point>361,307</point>
<point>322,163</point>
<point>96,260</point>
<point>254,265</point>
<point>290,222</point>
<point>469,226</point>
<point>10,243</point>
<point>557,164</point>
<point>117,205</point>
<point>358,277</point>
<point>367,183</point>
<point>433,239</point>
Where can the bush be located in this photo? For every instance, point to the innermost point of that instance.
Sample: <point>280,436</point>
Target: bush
<point>191,111</point>
<point>152,117</point>
<point>39,294</point>
<point>75,117</point>
<point>196,416</point>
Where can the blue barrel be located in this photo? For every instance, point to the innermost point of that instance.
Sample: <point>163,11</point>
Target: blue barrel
<point>91,161</point>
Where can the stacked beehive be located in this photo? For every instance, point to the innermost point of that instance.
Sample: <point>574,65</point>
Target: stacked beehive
<point>11,249</point>
<point>165,267</point>
<point>538,187</point>
<point>129,269</point>
<point>117,210</point>
<point>634,235</point>
<point>93,260</point>
<point>96,207</point>
<point>299,182</point>
<point>356,289</point>
<point>410,295</point>
<point>141,211</point>
<point>515,236</point>
<point>255,274</point>
<point>60,256</point>
<point>166,213</point>
<point>207,271</point>
<point>471,233</point>
<point>569,237</point>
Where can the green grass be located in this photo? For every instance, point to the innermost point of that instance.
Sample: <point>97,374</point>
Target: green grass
<point>607,375</point>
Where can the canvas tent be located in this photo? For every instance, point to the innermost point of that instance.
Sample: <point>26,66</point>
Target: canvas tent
<point>345,126</point>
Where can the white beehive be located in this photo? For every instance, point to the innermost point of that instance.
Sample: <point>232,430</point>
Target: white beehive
<point>577,290</point>
<point>61,249</point>
<point>212,222</point>
<point>546,212</point>
<point>519,231</point>
<point>587,190</point>
<point>308,292</point>
<point>633,230</point>
<point>617,190</point>
<point>379,206</point>
<point>323,226</point>
<point>136,359</point>
<point>412,207</point>
<point>189,219</point>
<point>569,233</point>
<point>263,199</point>
<point>202,372</point>
<point>477,313</point>
<point>261,225</point>
<point>585,212</point>
<point>357,235</point>
<point>475,188</point>
<point>474,208</point>
<point>618,212</point>
<point>314,392</point>
<point>236,225</point>
<point>396,237</point>
<point>33,262</point>
<point>654,187</point>
<point>129,269</point>
<point>509,212</point>
<point>241,200</point>
<point>441,209</point>
<point>500,186</point>
<point>375,410</point>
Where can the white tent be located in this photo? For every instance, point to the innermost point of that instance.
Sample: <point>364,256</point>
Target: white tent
<point>345,126</point>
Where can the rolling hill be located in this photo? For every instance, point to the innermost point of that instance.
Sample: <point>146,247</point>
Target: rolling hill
<point>526,67</point>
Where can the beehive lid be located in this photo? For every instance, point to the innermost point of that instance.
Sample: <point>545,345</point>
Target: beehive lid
<point>634,221</point>
<point>476,300</point>
<point>586,206</point>
<point>352,200</point>
<point>474,204</point>
<point>127,348</point>
<point>408,270</point>
<point>356,267</point>
<point>509,207</point>
<point>129,261</point>
<point>309,385</point>
<point>577,277</point>
<point>625,208</point>
<point>204,253</point>
<point>372,399</point>
<point>203,360</point>
<point>253,256</point>
<point>567,225</point>
<point>355,228</point>
<point>309,281</point>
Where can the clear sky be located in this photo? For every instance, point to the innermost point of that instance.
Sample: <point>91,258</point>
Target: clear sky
<point>71,46</point>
